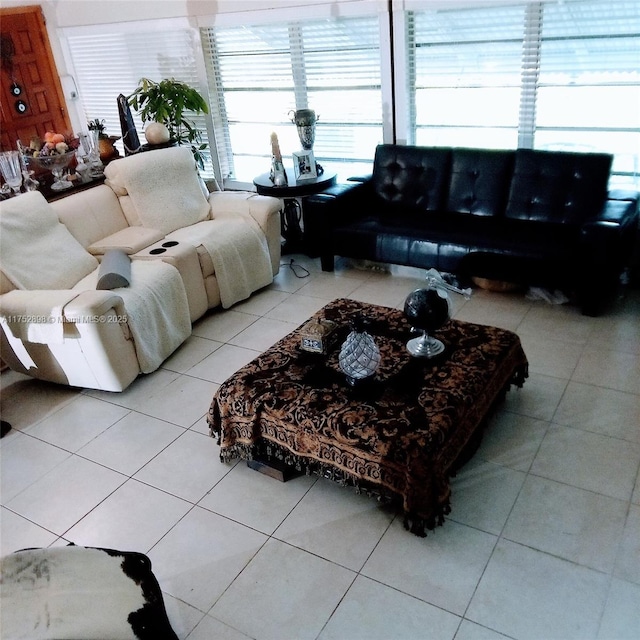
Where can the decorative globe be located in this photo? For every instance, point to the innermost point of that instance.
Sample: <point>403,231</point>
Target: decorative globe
<point>426,309</point>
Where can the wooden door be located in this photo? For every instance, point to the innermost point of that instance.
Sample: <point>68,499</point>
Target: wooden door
<point>31,97</point>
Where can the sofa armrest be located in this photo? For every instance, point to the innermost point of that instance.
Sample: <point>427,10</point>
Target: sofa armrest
<point>260,208</point>
<point>93,305</point>
<point>606,240</point>
<point>323,211</point>
<point>40,316</point>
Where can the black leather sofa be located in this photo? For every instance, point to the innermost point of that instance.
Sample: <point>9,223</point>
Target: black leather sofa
<point>538,218</point>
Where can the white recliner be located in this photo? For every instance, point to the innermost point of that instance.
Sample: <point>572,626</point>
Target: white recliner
<point>188,253</point>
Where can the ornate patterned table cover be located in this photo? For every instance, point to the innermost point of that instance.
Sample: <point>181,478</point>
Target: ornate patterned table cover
<point>399,436</point>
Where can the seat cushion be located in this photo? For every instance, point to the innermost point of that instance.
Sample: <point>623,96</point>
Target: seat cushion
<point>38,251</point>
<point>66,593</point>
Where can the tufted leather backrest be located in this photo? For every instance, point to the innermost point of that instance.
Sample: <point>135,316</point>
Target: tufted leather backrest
<point>415,177</point>
<point>480,181</point>
<point>558,186</point>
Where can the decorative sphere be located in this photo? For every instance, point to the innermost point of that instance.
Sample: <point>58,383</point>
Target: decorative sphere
<point>426,310</point>
<point>156,133</point>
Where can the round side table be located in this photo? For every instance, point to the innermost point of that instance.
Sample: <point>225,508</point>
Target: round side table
<point>290,222</point>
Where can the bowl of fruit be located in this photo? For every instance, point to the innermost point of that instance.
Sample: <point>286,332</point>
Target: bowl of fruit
<point>54,154</point>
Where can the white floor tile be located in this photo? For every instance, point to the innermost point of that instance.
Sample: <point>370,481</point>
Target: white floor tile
<point>188,468</point>
<point>210,628</point>
<point>589,461</point>
<point>221,325</point>
<point>223,363</point>
<point>568,522</point>
<point>606,411</point>
<point>23,461</point>
<point>472,631</point>
<point>538,398</point>
<point>292,593</point>
<point>190,353</point>
<point>442,569</point>
<point>77,423</point>
<point>26,401</point>
<point>66,494</point>
<point>181,402</point>
<point>336,523</point>
<point>138,391</point>
<point>530,595</point>
<point>551,357</point>
<point>621,619</point>
<point>202,555</point>
<point>483,494</point>
<point>612,369</point>
<point>512,440</point>
<point>255,499</point>
<point>628,560</point>
<point>296,309</point>
<point>130,443</point>
<point>261,303</point>
<point>183,617</point>
<point>372,611</point>
<point>563,322</point>
<point>18,533</point>
<point>263,333</point>
<point>329,286</point>
<point>134,517</point>
<point>502,310</point>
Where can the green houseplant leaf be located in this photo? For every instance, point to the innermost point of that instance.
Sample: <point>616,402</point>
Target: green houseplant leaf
<point>170,102</point>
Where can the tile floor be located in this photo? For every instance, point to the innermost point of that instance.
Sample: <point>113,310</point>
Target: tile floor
<point>543,541</point>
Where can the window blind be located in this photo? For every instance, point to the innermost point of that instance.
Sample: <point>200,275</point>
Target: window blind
<point>466,70</point>
<point>132,54</point>
<point>548,75</point>
<point>258,73</point>
<point>589,86</point>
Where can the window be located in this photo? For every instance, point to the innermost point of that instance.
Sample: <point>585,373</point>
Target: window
<point>546,75</point>
<point>259,73</point>
<point>150,50</point>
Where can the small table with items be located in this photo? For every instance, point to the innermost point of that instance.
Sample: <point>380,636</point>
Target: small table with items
<point>290,225</point>
<point>400,435</point>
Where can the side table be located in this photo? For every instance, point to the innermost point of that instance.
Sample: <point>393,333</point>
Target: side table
<point>290,223</point>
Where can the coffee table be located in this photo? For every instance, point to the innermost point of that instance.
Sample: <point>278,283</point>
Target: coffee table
<point>399,436</point>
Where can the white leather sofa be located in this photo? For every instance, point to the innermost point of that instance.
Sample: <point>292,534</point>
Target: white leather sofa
<point>188,251</point>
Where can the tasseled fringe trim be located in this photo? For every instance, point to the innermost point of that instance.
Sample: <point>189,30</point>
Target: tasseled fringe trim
<point>416,524</point>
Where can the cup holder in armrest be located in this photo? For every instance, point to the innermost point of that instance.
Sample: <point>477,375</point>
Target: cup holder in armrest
<point>170,243</point>
<point>155,252</point>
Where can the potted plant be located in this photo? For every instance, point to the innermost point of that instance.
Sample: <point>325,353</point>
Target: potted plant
<point>168,102</point>
<point>105,141</point>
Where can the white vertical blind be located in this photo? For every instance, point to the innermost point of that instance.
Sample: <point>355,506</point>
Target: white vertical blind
<point>111,61</point>
<point>259,73</point>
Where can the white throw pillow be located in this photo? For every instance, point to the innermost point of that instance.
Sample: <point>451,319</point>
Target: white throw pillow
<point>36,250</point>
